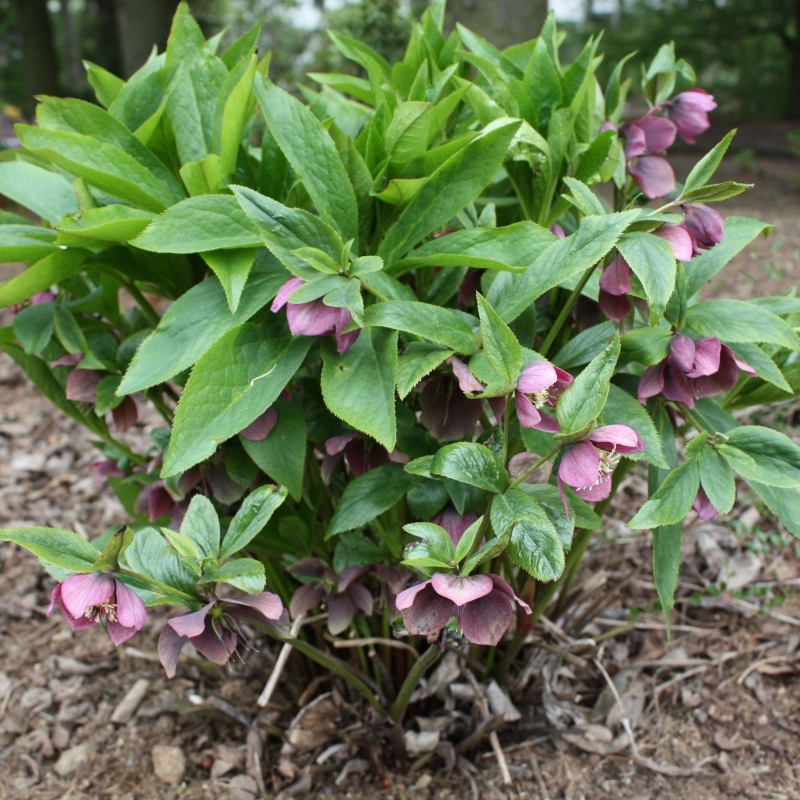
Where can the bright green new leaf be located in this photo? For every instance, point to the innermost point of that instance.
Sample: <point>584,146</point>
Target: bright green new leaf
<point>436,537</point>
<point>46,193</point>
<point>114,223</point>
<point>42,275</point>
<point>26,243</point>
<point>671,503</point>
<point>418,360</point>
<point>704,170</point>
<point>499,343</point>
<point>246,574</point>
<point>201,525</point>
<point>63,549</point>
<point>653,262</point>
<point>251,518</point>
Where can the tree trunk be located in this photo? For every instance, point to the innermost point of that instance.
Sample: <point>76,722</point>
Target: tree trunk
<point>502,22</point>
<point>794,74</point>
<point>106,49</point>
<point>39,60</point>
<point>141,24</point>
<point>73,69</point>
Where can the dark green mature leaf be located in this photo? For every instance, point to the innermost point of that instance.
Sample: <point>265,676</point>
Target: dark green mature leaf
<point>61,548</point>
<point>705,168</point>
<point>624,409</point>
<point>716,192</point>
<point>236,380</point>
<point>251,518</point>
<point>499,343</point>
<point>585,346</point>
<point>717,480</point>
<point>666,563</point>
<point>468,462</point>
<point>595,238</point>
<point>763,455</point>
<point>194,322</point>
<point>232,268</point>
<point>738,321</point>
<point>440,325</point>
<point>313,156</point>
<point>452,186</point>
<point>785,503</point>
<point>511,248</point>
<point>648,346</point>
<point>282,455</point>
<point>549,498</point>
<point>246,574</point>
<point>198,224</point>
<point>201,525</point>
<point>739,232</point>
<point>653,263</point>
<point>46,193</point>
<point>583,400</point>
<point>368,496</point>
<point>418,360</point>
<point>671,503</point>
<point>765,367</point>
<point>42,275</point>
<point>358,385</point>
<point>34,326</point>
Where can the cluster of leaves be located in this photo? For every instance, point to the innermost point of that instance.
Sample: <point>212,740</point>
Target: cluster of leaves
<point>202,187</point>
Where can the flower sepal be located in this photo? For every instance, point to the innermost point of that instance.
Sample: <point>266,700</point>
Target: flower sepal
<point>111,553</point>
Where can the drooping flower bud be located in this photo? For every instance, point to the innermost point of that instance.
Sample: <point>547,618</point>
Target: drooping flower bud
<point>689,111</point>
<point>705,225</point>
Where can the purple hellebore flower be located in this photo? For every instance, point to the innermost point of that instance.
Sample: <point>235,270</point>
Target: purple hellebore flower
<point>447,414</point>
<point>314,318</point>
<point>679,239</point>
<point>483,604</point>
<point>125,415</point>
<point>693,369</point>
<point>88,599</point>
<point>557,230</point>
<point>587,465</point>
<point>215,629</point>
<point>689,111</point>
<point>539,384</point>
<point>703,506</point>
<point>342,593</point>
<point>361,454</point>
<point>646,139</point>
<point>454,523</point>
<point>615,283</point>
<point>82,385</point>
<point>704,224</point>
<point>261,427</point>
<point>105,468</point>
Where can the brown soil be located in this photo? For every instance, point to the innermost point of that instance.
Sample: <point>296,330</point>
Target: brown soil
<point>723,693</point>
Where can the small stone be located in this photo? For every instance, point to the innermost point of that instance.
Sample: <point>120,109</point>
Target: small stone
<point>60,737</point>
<point>37,698</point>
<point>424,781</point>
<point>73,759</point>
<point>169,763</point>
<point>242,787</point>
<point>132,700</point>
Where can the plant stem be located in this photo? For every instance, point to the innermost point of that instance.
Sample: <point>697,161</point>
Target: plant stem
<point>536,464</point>
<point>143,303</point>
<point>428,659</point>
<point>565,312</point>
<point>167,590</point>
<point>506,422</point>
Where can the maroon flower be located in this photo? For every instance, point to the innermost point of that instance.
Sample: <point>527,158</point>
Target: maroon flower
<point>587,465</point>
<point>615,283</point>
<point>125,415</point>
<point>483,605</point>
<point>703,506</point>
<point>215,629</point>
<point>693,369</point>
<point>689,111</point>
<point>261,427</point>
<point>86,600</point>
<point>679,239</point>
<point>82,385</point>
<point>314,318</point>
<point>646,139</point>
<point>704,224</point>
<point>360,453</point>
<point>342,593</point>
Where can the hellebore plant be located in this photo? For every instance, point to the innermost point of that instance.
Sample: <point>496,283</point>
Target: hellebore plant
<point>403,347</point>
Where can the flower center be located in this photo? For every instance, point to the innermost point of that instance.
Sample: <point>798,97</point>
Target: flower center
<point>103,611</point>
<point>608,461</point>
<point>539,399</point>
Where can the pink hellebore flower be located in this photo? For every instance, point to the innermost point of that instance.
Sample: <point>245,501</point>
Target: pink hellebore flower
<point>587,465</point>
<point>483,604</point>
<point>615,283</point>
<point>679,239</point>
<point>646,139</point>
<point>704,224</point>
<point>689,111</point>
<point>215,629</point>
<point>693,369</point>
<point>704,507</point>
<point>88,599</point>
<point>539,384</point>
<point>314,318</point>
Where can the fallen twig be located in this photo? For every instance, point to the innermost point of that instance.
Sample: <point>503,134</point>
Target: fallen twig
<point>373,640</point>
<point>537,773</point>
<point>483,704</point>
<point>280,663</point>
<point>756,664</point>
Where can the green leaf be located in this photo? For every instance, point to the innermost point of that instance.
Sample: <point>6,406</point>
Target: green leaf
<point>765,367</point>
<point>623,409</point>
<point>114,223</point>
<point>368,496</point>
<point>236,380</point>
<point>234,100</point>
<point>61,548</point>
<point>585,346</point>
<point>499,343</point>
<point>34,326</point>
<point>185,548</point>
<point>105,84</point>
<point>716,192</point>
<point>246,574</point>
<point>763,455</point>
<point>194,322</point>
<point>584,399</point>
<point>25,243</point>
<point>251,518</point>
<point>46,193</point>
<point>440,325</point>
<point>232,268</point>
<point>198,224</point>
<point>468,462</point>
<point>549,498</point>
<point>784,503</point>
<point>739,321</point>
<point>42,275</point>
<point>647,346</point>
<point>594,239</point>
<point>452,186</point>
<point>467,540</point>
<point>717,480</point>
<point>407,134</point>
<point>201,525</point>
<point>583,198</point>
<point>358,385</point>
<point>511,248</point>
<point>149,554</point>
<point>418,360</point>
<point>739,232</point>
<point>313,156</point>
<point>705,168</point>
<point>666,563</point>
<point>282,455</point>
<point>671,503</point>
<point>436,537</point>
<point>653,263</point>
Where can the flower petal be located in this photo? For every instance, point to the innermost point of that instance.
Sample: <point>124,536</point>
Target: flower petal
<point>266,604</point>
<point>653,174</point>
<point>125,415</point>
<point>340,613</point>
<point>131,612</point>
<point>615,307</point>
<point>261,427</point>
<point>616,277</point>
<point>706,357</point>
<point>467,382</point>
<point>485,621</point>
<point>192,623</point>
<point>119,633</point>
<point>461,590</point>
<point>361,597</point>
<point>527,413</point>
<point>285,292</point>
<point>344,341</point>
<point>682,352</point>
<point>169,649</point>
<point>82,385</point>
<point>406,598</point>
<point>659,133</point>
<point>678,238</point>
<point>536,377</point>
<point>312,319</point>
<point>618,437</point>
<point>501,586</point>
<point>703,506</point>
<point>580,465</point>
<point>600,491</point>
<point>305,598</point>
<point>79,592</point>
<point>216,648</point>
<point>652,382</point>
<point>454,523</point>
<point>424,612</point>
